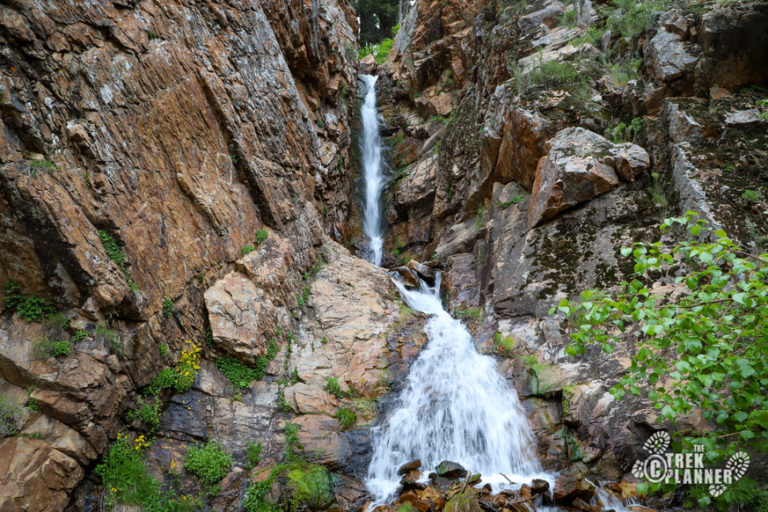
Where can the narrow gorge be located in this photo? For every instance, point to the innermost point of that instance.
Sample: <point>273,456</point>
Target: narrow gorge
<point>261,256</point>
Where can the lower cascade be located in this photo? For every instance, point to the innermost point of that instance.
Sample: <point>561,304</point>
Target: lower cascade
<point>455,406</point>
<point>374,179</point>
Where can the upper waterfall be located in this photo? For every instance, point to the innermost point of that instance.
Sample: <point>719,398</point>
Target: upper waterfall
<point>372,170</point>
<point>455,406</point>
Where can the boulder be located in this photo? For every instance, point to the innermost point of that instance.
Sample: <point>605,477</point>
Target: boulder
<point>368,64</point>
<point>579,166</point>
<point>668,57</point>
<point>448,469</point>
<point>572,484</point>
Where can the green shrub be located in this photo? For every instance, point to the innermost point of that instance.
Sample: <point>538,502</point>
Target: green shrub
<point>239,374</point>
<point>751,196</point>
<point>151,35</point>
<point>248,249</point>
<point>109,339</point>
<point>553,74</point>
<point>28,307</point>
<point>591,36</point>
<point>346,417</point>
<point>506,204</point>
<point>49,348</point>
<point>504,345</point>
<point>304,297</point>
<point>210,463</point>
<point>253,454</point>
<point>10,417</point>
<point>163,349</point>
<point>332,386</point>
<point>257,496</point>
<point>631,18</point>
<point>149,413</point>
<point>167,308</point>
<point>261,235</point>
<point>310,487</point>
<point>44,165</point>
<point>166,379</point>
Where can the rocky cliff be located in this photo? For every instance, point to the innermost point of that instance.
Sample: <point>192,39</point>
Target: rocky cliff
<point>176,175</point>
<point>531,141</point>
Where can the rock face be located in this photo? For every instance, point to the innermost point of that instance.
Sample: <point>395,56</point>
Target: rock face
<point>144,145</point>
<point>579,166</point>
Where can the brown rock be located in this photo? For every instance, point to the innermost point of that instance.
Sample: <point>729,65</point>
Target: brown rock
<point>572,484</point>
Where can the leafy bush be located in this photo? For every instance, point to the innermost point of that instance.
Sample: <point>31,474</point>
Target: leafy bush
<point>380,51</point>
<point>79,336</point>
<point>248,249</point>
<point>751,196</point>
<point>253,454</point>
<point>239,374</point>
<point>163,349</point>
<point>504,345</point>
<point>186,370</point>
<point>10,416</point>
<point>552,74</point>
<point>49,348</point>
<point>346,417</point>
<point>210,463</point>
<point>261,235</point>
<point>149,413</point>
<point>167,308</point>
<point>163,380</point>
<point>703,348</point>
<point>28,307</point>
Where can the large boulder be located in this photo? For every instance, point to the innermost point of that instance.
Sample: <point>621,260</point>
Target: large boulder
<point>580,165</point>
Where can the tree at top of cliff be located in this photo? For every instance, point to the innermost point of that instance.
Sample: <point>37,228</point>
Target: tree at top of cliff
<point>377,17</point>
<point>702,344</point>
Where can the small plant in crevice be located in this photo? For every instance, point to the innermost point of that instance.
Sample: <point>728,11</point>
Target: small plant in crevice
<point>751,196</point>
<point>506,204</point>
<point>148,412</point>
<point>282,404</point>
<point>109,339</point>
<point>168,307</point>
<point>117,255</point>
<point>238,373</point>
<point>503,344</point>
<point>253,455</point>
<point>79,336</point>
<point>332,386</point>
<point>346,417</point>
<point>28,307</point>
<point>248,249</point>
<point>41,165</point>
<point>479,223</point>
<point>210,463</point>
<point>186,370</point>
<point>163,349</point>
<point>151,35</point>
<point>49,348</point>
<point>10,417</point>
<point>656,191</point>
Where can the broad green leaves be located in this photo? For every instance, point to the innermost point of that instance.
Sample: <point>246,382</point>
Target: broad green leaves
<point>701,307</point>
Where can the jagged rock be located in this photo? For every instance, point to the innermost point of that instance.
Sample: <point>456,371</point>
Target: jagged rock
<point>419,185</point>
<point>524,141</point>
<point>548,16</point>
<point>36,477</point>
<point>572,484</point>
<point>448,469</point>
<point>668,57</point>
<point>241,315</point>
<point>744,118</point>
<point>580,165</point>
<point>368,64</point>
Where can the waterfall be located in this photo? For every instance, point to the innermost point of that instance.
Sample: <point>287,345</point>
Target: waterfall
<point>455,406</point>
<point>372,170</point>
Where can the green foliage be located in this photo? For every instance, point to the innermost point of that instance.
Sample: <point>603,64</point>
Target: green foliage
<point>346,417</point>
<point>377,19</point>
<point>253,454</point>
<point>79,336</point>
<point>631,18</point>
<point>479,217</point>
<point>149,413</point>
<point>552,75</point>
<point>569,18</point>
<point>310,486</point>
<point>764,113</point>
<point>10,416</point>
<point>395,30</point>
<point>703,348</point>
<point>302,298</point>
<point>623,72</point>
<point>617,134</point>
<point>109,338</point>
<point>261,235</point>
<point>42,165</point>
<point>210,463</point>
<point>168,308</point>
<point>32,404</point>
<point>151,35</point>
<point>473,313</point>
<point>257,496</point>
<point>239,374</point>
<point>751,196</point>
<point>504,345</point>
<point>166,379</point>
<point>51,348</point>
<point>332,386</point>
<point>116,254</point>
<point>28,307</point>
<point>506,204</point>
<point>248,249</point>
<point>591,36</point>
<point>163,348</point>
<point>380,51</point>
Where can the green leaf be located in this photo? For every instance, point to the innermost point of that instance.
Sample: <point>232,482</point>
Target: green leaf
<point>668,412</point>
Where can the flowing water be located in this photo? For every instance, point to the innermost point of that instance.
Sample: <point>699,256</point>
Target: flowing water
<point>374,178</point>
<point>455,406</point>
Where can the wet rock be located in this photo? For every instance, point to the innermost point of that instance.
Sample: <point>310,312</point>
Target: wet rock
<point>419,185</point>
<point>539,486</point>
<point>409,484</point>
<point>571,484</point>
<point>408,467</point>
<point>448,469</point>
<point>368,64</point>
<point>463,502</point>
<point>580,165</point>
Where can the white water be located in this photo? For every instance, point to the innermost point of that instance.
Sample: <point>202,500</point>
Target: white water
<point>454,406</point>
<point>372,170</point>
